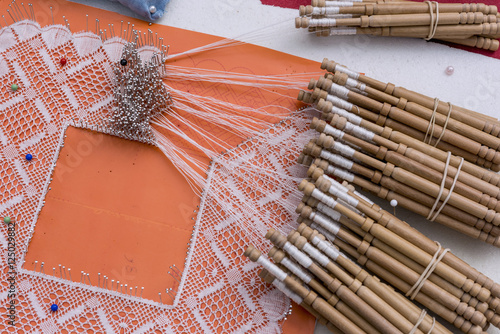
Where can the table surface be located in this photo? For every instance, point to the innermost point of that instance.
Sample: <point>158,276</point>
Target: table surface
<point>411,63</point>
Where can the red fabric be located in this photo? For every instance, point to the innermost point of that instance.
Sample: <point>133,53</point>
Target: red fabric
<point>297,3</point>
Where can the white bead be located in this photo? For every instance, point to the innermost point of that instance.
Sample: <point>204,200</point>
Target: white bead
<point>450,70</point>
<point>152,9</point>
<point>394,203</point>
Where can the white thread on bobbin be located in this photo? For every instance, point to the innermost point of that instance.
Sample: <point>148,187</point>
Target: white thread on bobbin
<point>304,260</point>
<point>325,10</point>
<point>342,195</point>
<point>343,149</point>
<point>338,102</point>
<point>331,224</point>
<point>359,131</point>
<point>322,197</point>
<point>322,22</point>
<point>336,183</point>
<point>431,216</point>
<point>343,174</point>
<point>342,31</point>
<point>283,288</point>
<point>438,256</point>
<point>336,159</point>
<point>354,119</point>
<point>350,74</point>
<point>330,130</point>
<point>296,270</point>
<point>272,268</point>
<point>339,3</point>
<point>316,254</point>
<point>326,248</point>
<point>323,231</point>
<point>339,90</point>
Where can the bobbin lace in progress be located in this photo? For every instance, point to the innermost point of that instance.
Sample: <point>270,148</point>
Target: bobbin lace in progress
<point>218,291</point>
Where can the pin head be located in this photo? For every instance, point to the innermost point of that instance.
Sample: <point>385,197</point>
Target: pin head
<point>152,9</point>
<point>6,220</point>
<point>29,157</point>
<point>54,307</point>
<point>14,87</point>
<point>394,203</point>
<point>123,62</point>
<point>63,61</point>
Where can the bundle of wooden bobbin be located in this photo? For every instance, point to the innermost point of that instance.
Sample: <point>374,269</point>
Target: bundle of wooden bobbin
<point>313,267</point>
<point>381,149</point>
<point>475,25</point>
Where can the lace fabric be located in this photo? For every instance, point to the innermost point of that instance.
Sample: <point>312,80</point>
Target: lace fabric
<point>219,291</point>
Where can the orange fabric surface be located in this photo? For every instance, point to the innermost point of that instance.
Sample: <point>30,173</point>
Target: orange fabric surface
<point>133,230</point>
<point>115,207</point>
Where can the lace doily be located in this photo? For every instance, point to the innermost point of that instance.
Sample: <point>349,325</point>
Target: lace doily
<point>219,290</point>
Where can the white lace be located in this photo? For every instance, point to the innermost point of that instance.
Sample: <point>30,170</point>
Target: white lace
<point>216,275</point>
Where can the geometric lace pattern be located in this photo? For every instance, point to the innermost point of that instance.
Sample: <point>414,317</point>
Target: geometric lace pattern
<point>220,291</point>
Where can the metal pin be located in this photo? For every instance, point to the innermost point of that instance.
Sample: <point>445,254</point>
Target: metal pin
<point>54,271</point>
<point>81,277</point>
<point>99,279</point>
<point>87,17</point>
<point>18,10</point>
<point>136,290</point>
<point>159,294</point>
<point>5,20</point>
<point>121,28</point>
<point>32,11</point>
<point>27,15</point>
<point>36,262</point>
<point>97,26</point>
<point>52,14</point>
<point>64,270</point>
<point>117,282</point>
<point>41,268</point>
<point>69,274</point>
<point>130,292</point>
<point>13,13</point>
<point>112,282</point>
<point>60,270</point>
<point>88,277</point>
<point>121,288</point>
<point>106,281</point>
<point>10,16</point>
<point>142,289</point>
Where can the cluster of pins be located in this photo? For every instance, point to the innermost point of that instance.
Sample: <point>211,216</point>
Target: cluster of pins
<point>475,25</point>
<point>376,149</point>
<point>104,282</point>
<point>139,94</point>
<point>338,224</point>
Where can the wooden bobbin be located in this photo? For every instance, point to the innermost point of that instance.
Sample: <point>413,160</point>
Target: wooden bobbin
<point>406,273</point>
<point>410,250</point>
<point>477,120</point>
<point>417,168</point>
<point>429,302</point>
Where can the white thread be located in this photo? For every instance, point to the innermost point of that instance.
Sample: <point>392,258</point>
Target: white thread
<point>325,10</point>
<point>272,268</point>
<point>336,184</point>
<point>343,196</point>
<point>338,102</point>
<point>344,175</point>
<point>331,222</point>
<point>419,321</point>
<point>433,23</point>
<point>283,288</point>
<point>431,216</point>
<point>326,248</point>
<point>340,91</point>
<point>330,130</point>
<point>359,132</point>
<point>343,149</point>
<point>348,115</point>
<point>340,3</point>
<point>337,159</point>
<point>323,231</point>
<point>438,256</point>
<point>300,257</point>
<point>450,107</point>
<point>316,254</point>
<point>322,22</point>
<point>319,195</point>
<point>296,270</point>
<point>350,74</point>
